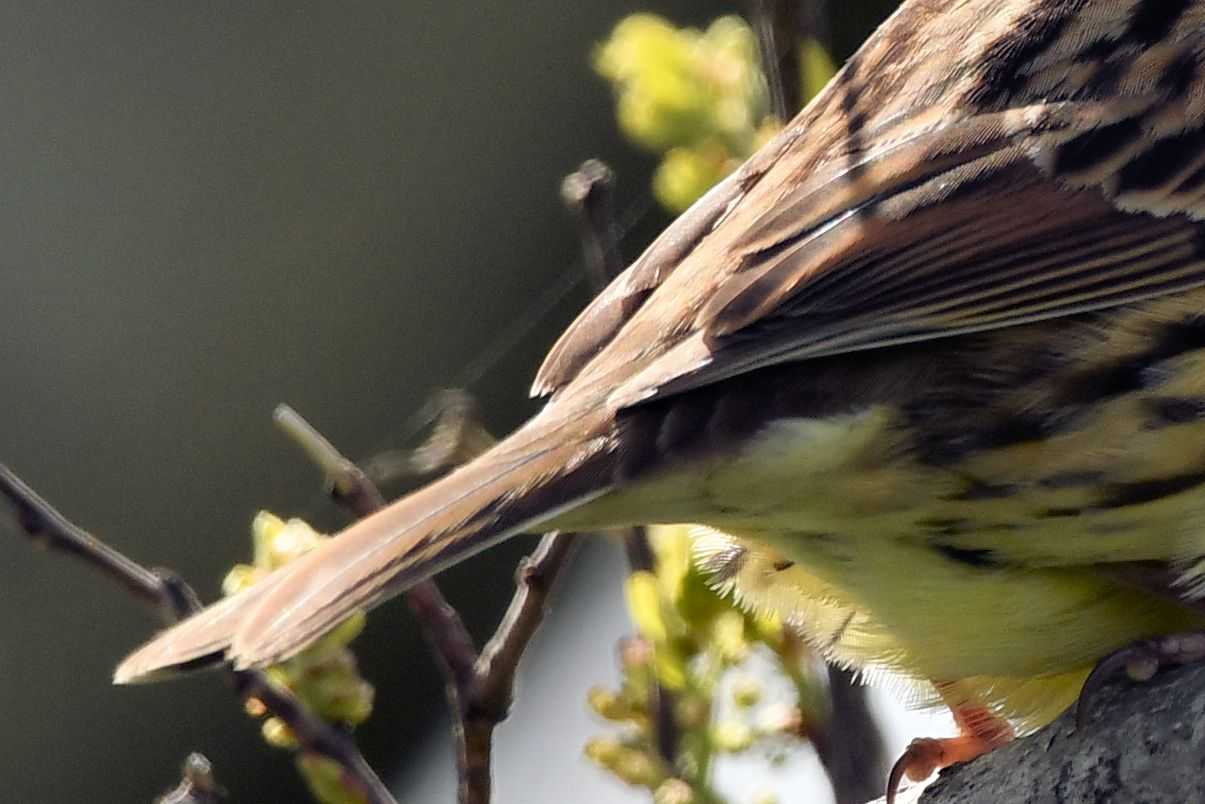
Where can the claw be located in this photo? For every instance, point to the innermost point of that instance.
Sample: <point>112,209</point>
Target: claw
<point>1133,656</point>
<point>981,731</point>
<point>895,777</point>
<point>1140,662</point>
<point>923,754</point>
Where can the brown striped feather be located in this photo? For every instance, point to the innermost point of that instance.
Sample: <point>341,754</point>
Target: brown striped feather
<point>976,166</point>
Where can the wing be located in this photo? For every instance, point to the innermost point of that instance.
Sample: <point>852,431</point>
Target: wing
<point>1045,174</point>
<point>978,225</point>
<point>598,324</point>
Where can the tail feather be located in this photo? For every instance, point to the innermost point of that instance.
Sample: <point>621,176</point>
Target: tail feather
<point>199,642</point>
<point>509,490</point>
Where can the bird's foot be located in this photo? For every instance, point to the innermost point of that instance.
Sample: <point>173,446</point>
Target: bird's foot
<point>1140,662</point>
<point>981,730</point>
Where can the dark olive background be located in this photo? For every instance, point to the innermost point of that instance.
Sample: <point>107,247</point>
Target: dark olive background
<point>209,208</point>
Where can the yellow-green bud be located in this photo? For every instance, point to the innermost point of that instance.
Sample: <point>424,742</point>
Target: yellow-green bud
<point>732,736</point>
<point>728,636</point>
<point>746,692</point>
<point>639,768</point>
<point>607,704</point>
<point>240,577</point>
<point>278,734</point>
<point>674,791</point>
<point>603,750</point>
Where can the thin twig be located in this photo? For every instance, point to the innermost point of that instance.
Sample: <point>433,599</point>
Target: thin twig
<point>480,687</point>
<point>588,193</point>
<point>197,785</point>
<point>175,600</point>
<point>499,661</point>
<point>779,30</point>
<point>457,436</point>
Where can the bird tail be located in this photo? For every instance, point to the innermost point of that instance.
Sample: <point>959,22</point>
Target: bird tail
<point>522,483</point>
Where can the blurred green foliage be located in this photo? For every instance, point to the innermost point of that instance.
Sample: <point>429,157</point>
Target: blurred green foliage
<point>697,98</point>
<point>695,645</point>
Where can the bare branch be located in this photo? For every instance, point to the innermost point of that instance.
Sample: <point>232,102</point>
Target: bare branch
<point>47,528</point>
<point>176,600</point>
<point>457,436</point>
<point>779,28</point>
<point>587,192</point>
<point>491,698</point>
<point>500,657</point>
<point>198,785</point>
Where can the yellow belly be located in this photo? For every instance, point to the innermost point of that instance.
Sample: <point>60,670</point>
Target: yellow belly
<point>1021,641</point>
<point>897,567</point>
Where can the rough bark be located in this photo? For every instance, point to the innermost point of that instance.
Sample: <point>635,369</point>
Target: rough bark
<point>1138,743</point>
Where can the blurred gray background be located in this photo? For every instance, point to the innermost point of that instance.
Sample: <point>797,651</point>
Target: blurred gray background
<point>211,208</point>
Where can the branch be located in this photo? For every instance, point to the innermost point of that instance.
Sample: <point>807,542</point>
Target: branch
<point>1140,742</point>
<point>480,688</point>
<point>198,785</point>
<point>779,31</point>
<point>848,744</point>
<point>457,436</point>
<point>587,192</point>
<point>175,600</point>
<point>496,667</point>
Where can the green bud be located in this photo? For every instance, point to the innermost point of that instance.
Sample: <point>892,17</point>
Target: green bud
<point>239,578</point>
<point>674,791</point>
<point>282,542</point>
<point>732,736</point>
<point>635,653</point>
<point>746,692</point>
<point>277,734</point>
<point>728,637</point>
<point>638,767</point>
<point>817,66</point>
<point>603,751</point>
<point>644,604</point>
<point>607,704</point>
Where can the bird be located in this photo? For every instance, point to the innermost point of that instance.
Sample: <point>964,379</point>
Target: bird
<point>927,371</point>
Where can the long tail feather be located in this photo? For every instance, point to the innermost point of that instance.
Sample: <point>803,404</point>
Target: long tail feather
<point>514,488</point>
